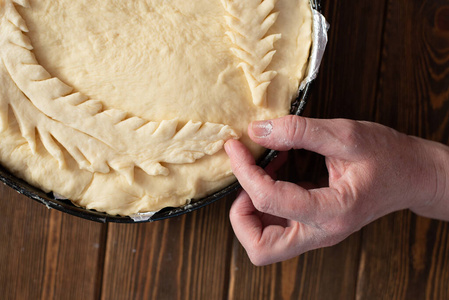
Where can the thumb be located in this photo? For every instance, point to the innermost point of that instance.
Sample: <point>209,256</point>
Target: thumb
<point>326,137</point>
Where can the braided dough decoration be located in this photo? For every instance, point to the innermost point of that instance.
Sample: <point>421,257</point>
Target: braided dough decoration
<point>97,139</point>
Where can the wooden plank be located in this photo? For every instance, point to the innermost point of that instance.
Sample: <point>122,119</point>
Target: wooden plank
<point>405,256</point>
<point>182,258</point>
<point>345,88</point>
<point>413,94</point>
<point>45,254</point>
<point>321,274</point>
<point>346,85</point>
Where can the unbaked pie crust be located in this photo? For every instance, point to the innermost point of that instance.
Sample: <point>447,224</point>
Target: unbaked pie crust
<point>124,106</point>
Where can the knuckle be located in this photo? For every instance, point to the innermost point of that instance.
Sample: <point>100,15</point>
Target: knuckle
<point>262,201</point>
<point>233,211</point>
<point>349,131</point>
<point>293,128</point>
<point>257,259</point>
<point>350,134</point>
<point>263,197</point>
<point>256,254</point>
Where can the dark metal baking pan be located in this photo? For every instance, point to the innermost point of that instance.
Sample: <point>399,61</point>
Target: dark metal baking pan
<point>67,207</point>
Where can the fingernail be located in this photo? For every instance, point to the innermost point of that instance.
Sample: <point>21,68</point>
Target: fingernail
<point>262,129</point>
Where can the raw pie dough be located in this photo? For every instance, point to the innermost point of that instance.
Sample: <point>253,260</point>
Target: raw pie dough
<point>124,106</point>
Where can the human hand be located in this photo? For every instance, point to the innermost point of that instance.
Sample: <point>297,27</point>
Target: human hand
<point>373,171</point>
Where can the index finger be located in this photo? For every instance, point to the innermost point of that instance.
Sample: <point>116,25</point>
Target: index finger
<point>283,199</point>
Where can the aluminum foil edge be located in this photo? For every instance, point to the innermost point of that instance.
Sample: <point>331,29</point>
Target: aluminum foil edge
<point>320,28</point>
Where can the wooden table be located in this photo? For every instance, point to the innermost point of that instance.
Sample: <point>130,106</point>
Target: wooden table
<point>387,61</point>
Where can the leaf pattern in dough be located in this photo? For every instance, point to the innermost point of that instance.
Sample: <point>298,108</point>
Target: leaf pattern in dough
<point>249,22</point>
<point>98,140</point>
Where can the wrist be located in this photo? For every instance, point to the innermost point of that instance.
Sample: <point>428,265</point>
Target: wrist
<point>434,199</point>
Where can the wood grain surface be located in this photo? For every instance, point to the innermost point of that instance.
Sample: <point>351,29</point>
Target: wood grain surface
<point>47,254</point>
<point>387,61</point>
<point>405,256</point>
